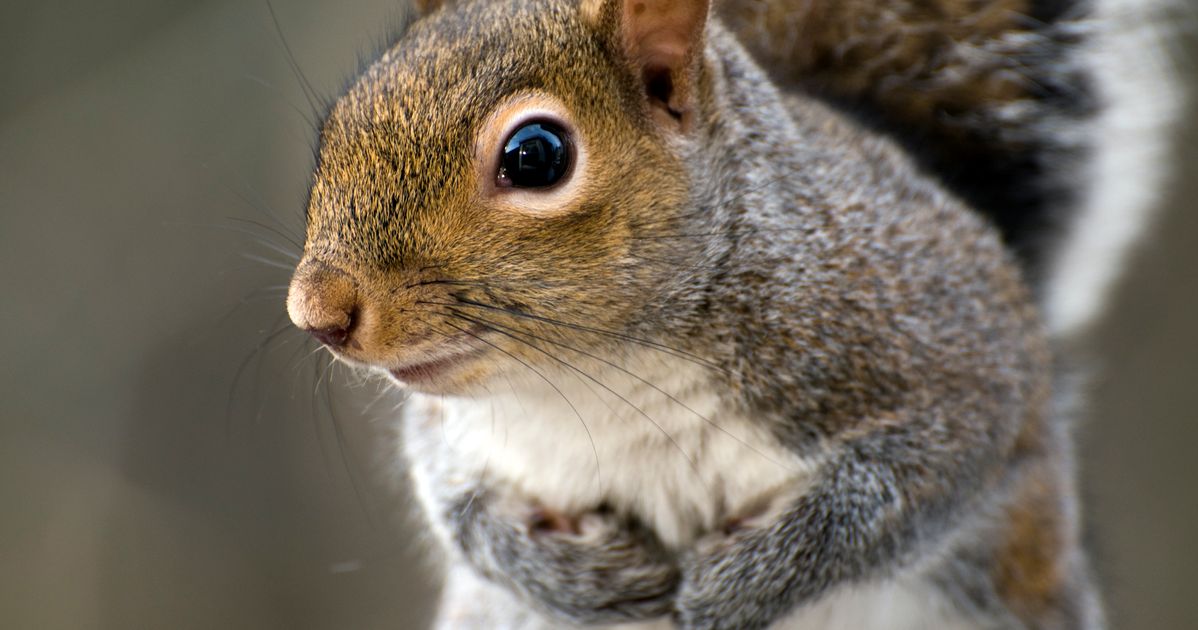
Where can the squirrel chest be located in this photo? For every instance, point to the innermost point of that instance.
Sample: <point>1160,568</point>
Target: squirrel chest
<point>652,440</point>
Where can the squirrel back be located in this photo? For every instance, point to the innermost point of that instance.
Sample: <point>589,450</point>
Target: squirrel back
<point>1050,117</point>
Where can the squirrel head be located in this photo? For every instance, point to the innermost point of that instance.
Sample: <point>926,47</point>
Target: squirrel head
<point>494,179</point>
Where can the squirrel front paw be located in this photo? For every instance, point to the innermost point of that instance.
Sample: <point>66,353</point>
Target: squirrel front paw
<point>591,568</point>
<point>722,581</point>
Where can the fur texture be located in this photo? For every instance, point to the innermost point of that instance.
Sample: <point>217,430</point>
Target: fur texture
<point>1141,97</point>
<point>750,365</point>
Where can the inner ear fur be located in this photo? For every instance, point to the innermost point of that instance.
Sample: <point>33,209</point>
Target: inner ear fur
<point>424,7</point>
<point>663,40</point>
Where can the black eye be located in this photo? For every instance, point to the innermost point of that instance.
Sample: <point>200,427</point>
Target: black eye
<point>537,155</point>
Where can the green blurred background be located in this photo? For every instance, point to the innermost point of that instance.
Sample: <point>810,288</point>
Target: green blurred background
<point>158,472</point>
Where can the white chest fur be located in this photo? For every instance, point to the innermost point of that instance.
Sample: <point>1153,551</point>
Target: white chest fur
<point>661,445</point>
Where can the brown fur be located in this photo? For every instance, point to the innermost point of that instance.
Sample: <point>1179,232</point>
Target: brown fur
<point>1030,570</point>
<point>924,64</point>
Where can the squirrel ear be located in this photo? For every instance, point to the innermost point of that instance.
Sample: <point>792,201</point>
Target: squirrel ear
<point>663,39</point>
<point>424,7</point>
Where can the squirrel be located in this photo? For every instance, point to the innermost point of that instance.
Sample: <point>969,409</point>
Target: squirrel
<point>720,316</point>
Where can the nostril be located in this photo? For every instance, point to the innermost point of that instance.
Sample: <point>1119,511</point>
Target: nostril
<point>333,337</point>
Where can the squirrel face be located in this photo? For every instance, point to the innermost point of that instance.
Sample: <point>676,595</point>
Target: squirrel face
<point>423,247</point>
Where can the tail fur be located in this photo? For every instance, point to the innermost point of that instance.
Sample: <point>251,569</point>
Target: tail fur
<point>1048,116</point>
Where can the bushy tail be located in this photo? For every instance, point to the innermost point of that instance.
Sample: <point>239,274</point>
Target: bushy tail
<point>1004,100</point>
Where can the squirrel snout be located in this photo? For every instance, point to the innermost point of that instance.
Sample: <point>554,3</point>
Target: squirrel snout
<point>323,301</point>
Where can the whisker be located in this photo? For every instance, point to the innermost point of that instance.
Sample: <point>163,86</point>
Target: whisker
<point>515,394</point>
<point>261,411</point>
<point>290,238</point>
<point>262,293</point>
<point>672,440</point>
<point>482,474</point>
<point>382,393</point>
<point>257,203</point>
<point>310,93</point>
<point>652,385</point>
<point>258,238</point>
<point>325,372</point>
<point>306,116</point>
<point>464,283</point>
<point>282,251</point>
<point>486,464</point>
<point>342,448</point>
<point>682,354</point>
<point>317,428</point>
<point>272,290</point>
<point>268,262</point>
<point>244,364</point>
<point>566,399</point>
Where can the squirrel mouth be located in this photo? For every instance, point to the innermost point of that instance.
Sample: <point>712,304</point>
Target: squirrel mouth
<point>422,372</point>
<point>425,372</point>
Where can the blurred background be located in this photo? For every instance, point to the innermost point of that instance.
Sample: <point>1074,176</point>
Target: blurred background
<point>173,455</point>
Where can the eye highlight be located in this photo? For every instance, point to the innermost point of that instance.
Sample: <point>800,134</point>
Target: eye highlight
<point>536,155</point>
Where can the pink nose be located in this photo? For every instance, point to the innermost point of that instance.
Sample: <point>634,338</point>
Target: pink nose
<point>323,301</point>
